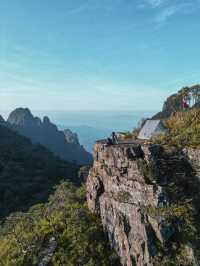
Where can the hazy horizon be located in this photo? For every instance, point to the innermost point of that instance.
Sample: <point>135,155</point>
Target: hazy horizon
<point>109,120</point>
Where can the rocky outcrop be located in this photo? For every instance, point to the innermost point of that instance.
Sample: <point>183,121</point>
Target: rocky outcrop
<point>174,102</point>
<point>193,156</point>
<point>171,105</point>
<point>2,121</point>
<point>46,254</point>
<point>65,145</point>
<point>127,185</point>
<point>83,173</point>
<point>71,137</point>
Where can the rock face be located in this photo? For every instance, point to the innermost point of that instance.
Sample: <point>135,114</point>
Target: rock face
<point>117,190</point>
<point>2,121</point>
<point>172,104</point>
<point>71,137</point>
<point>193,156</point>
<point>121,189</point>
<point>46,254</point>
<point>65,145</point>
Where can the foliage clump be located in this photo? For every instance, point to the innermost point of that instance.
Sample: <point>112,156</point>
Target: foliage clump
<point>183,130</point>
<point>148,171</point>
<point>174,103</point>
<point>78,233</point>
<point>180,216</point>
<point>123,196</point>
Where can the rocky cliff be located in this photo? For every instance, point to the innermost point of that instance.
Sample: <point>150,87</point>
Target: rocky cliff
<point>143,195</point>
<point>71,137</point>
<point>64,144</point>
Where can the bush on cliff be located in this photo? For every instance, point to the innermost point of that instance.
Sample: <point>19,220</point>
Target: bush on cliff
<point>183,130</point>
<point>78,233</point>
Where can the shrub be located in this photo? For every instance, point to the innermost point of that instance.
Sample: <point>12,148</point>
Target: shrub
<point>123,196</point>
<point>78,233</point>
<point>183,130</point>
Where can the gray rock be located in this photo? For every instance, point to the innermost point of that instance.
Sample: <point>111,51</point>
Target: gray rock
<point>46,254</point>
<point>118,197</point>
<point>47,134</point>
<point>71,137</point>
<point>118,191</point>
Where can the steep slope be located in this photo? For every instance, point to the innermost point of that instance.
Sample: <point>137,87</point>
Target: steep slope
<point>28,172</point>
<point>71,137</point>
<point>59,229</point>
<point>61,232</point>
<point>2,121</point>
<point>148,200</point>
<point>47,134</point>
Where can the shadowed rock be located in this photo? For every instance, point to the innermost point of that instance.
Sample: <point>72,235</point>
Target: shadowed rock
<point>65,145</point>
<point>128,186</point>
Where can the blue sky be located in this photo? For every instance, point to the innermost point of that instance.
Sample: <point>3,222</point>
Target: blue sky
<point>97,54</point>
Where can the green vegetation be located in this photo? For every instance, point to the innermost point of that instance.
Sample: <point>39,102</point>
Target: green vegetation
<point>180,233</point>
<point>126,136</point>
<point>191,94</point>
<point>181,259</point>
<point>183,130</point>
<point>78,233</point>
<point>28,172</point>
<point>123,196</point>
<point>181,214</point>
<point>36,226</point>
<point>148,171</point>
<point>174,103</point>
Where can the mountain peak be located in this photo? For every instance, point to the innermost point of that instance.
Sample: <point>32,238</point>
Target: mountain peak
<point>64,144</point>
<point>20,116</point>
<point>46,120</point>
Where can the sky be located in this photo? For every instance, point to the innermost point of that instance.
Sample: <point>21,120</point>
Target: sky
<point>96,54</point>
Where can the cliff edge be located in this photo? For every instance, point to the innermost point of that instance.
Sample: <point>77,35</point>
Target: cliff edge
<point>144,195</point>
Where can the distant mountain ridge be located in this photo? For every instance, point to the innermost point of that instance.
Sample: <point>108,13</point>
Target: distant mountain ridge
<point>64,144</point>
<point>89,135</point>
<point>29,172</point>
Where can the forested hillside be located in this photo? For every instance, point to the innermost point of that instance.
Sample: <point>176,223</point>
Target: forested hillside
<point>28,172</point>
<point>44,132</point>
<point>60,232</point>
<point>39,227</point>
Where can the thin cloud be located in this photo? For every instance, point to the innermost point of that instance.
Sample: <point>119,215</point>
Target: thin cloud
<point>169,11</point>
<point>88,5</point>
<point>151,4</point>
<point>166,14</point>
<point>78,10</point>
<point>163,10</point>
<point>155,3</point>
